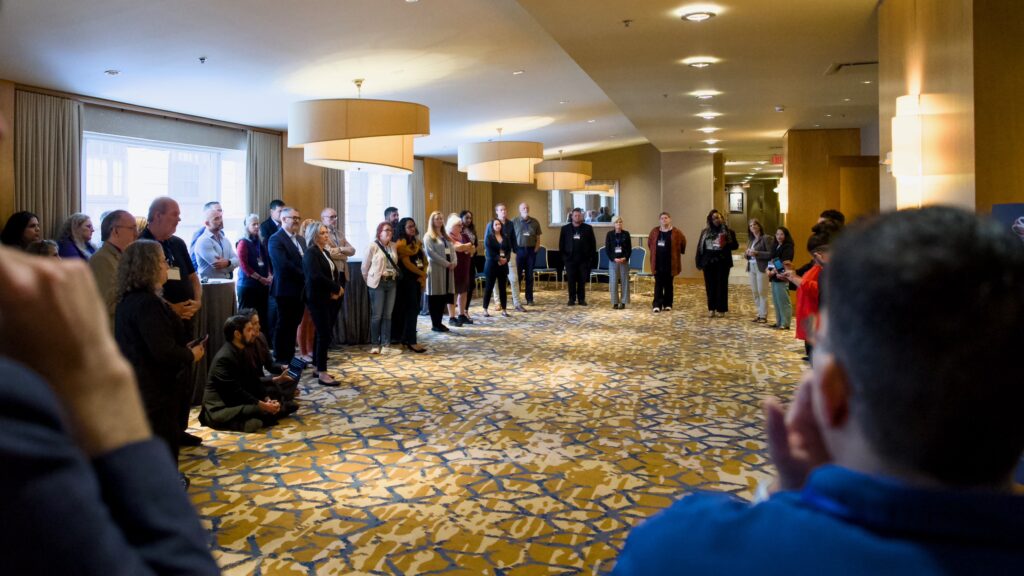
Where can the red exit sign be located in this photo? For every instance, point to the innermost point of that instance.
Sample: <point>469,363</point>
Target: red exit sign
<point>777,159</point>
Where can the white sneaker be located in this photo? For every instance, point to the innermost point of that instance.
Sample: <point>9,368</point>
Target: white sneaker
<point>667,308</point>
<point>386,349</point>
<point>655,309</point>
<point>711,313</point>
<point>375,350</point>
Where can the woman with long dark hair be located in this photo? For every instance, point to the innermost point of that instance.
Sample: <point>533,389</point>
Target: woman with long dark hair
<point>714,257</point>
<point>782,254</point>
<point>22,229</point>
<point>498,247</point>
<point>410,284</point>
<point>380,270</point>
<point>759,252</point>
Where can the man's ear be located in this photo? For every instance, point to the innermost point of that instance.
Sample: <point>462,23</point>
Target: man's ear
<point>833,390</point>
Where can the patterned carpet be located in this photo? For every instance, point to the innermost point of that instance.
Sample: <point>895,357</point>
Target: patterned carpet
<point>524,445</point>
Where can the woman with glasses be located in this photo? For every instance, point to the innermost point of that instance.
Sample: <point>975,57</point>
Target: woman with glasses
<point>380,270</point>
<point>255,276</point>
<point>75,239</point>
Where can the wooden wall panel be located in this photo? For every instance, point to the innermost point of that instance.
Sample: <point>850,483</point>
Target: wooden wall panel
<point>998,102</point>
<point>925,47</point>
<point>6,150</point>
<point>303,183</point>
<point>806,154</point>
<point>432,185</point>
<point>855,181</point>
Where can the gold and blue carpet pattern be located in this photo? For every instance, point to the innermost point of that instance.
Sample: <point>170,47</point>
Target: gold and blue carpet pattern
<point>517,446</point>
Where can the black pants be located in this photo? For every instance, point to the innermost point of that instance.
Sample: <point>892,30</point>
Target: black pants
<point>525,258</point>
<point>495,274</point>
<point>436,306</point>
<point>576,276</point>
<point>716,284</point>
<point>256,297</point>
<point>289,316</point>
<point>271,320</point>
<point>324,314</point>
<point>407,308</point>
<point>663,288</point>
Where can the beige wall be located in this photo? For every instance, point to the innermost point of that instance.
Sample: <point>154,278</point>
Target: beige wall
<point>688,185</point>
<point>925,47</point>
<point>998,102</point>
<point>806,155</point>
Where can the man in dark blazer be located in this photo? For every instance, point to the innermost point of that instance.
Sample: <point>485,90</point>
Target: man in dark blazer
<point>272,224</point>
<point>286,248</point>
<point>578,248</point>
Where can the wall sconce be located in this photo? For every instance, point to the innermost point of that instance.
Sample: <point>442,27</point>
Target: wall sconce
<point>907,154</point>
<point>783,191</point>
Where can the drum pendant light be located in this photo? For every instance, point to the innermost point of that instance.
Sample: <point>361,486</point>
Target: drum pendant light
<point>500,161</point>
<point>562,174</point>
<point>358,134</point>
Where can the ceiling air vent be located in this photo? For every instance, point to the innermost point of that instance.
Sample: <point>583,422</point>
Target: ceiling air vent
<point>837,67</point>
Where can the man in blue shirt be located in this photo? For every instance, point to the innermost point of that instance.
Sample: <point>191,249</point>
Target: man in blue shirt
<point>897,453</point>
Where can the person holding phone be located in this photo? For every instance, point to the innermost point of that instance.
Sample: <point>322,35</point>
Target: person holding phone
<point>782,261</point>
<point>497,250</point>
<point>759,251</point>
<point>153,338</point>
<point>714,257</point>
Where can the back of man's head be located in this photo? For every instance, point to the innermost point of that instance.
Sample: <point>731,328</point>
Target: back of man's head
<point>926,317</point>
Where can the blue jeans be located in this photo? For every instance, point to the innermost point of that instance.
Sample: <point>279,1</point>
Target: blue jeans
<point>382,301</point>
<point>783,309</point>
<point>618,273</point>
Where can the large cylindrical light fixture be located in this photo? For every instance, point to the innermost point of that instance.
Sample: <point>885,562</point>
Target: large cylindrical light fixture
<point>358,134</point>
<point>562,174</point>
<point>502,161</point>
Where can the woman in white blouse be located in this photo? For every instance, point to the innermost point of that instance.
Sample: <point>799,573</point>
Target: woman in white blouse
<point>380,270</point>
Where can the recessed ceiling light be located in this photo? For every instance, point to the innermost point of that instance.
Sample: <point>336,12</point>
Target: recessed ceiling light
<point>713,150</point>
<point>828,115</point>
<point>698,16</point>
<point>563,101</point>
<point>711,141</point>
<point>708,115</point>
<point>846,99</point>
<point>111,72</point>
<point>591,121</point>
<point>866,82</point>
<point>705,94</point>
<point>817,125</point>
<point>707,129</point>
<point>518,72</point>
<point>411,1</point>
<point>757,169</point>
<point>762,162</point>
<point>700,61</point>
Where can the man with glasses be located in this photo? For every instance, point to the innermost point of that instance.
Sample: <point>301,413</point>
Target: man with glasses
<point>117,231</point>
<point>286,248</point>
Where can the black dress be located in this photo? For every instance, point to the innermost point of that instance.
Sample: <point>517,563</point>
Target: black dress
<point>153,339</point>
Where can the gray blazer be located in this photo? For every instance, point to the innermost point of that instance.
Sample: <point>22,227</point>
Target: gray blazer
<point>440,280</point>
<point>763,249</point>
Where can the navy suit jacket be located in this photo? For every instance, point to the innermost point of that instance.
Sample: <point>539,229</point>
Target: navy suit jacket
<point>289,280</point>
<point>120,513</point>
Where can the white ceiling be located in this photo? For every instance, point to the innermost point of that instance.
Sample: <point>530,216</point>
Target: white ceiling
<point>457,57</point>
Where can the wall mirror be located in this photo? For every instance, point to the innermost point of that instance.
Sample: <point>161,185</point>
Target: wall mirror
<point>599,200</point>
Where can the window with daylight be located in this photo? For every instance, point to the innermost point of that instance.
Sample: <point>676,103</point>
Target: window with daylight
<point>366,197</point>
<point>128,173</point>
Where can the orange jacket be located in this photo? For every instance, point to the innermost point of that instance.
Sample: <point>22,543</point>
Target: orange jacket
<point>678,248</point>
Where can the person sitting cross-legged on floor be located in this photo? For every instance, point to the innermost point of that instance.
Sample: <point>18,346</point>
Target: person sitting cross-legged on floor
<point>897,453</point>
<point>235,398</point>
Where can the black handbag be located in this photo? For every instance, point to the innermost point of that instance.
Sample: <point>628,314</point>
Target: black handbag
<point>398,271</point>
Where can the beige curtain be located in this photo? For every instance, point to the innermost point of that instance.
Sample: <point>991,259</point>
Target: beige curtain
<point>334,191</point>
<point>264,179</point>
<point>48,158</point>
<point>458,194</point>
<point>418,188</point>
